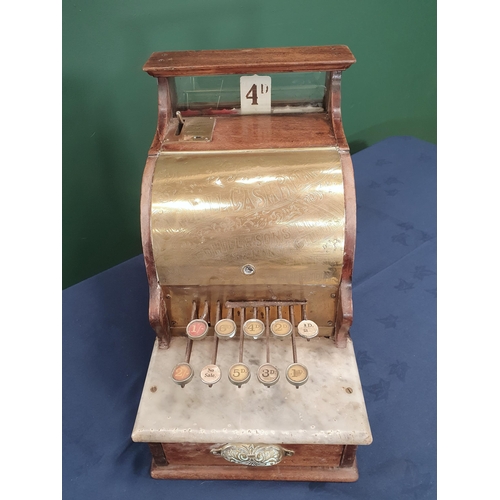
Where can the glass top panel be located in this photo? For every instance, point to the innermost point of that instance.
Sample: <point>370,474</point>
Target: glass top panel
<point>299,92</point>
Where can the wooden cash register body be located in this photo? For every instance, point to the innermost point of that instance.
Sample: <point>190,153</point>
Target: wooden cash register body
<point>195,253</point>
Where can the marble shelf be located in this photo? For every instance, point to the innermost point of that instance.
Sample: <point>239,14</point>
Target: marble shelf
<point>328,409</point>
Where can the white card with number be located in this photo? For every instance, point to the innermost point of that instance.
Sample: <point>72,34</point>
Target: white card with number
<point>255,94</point>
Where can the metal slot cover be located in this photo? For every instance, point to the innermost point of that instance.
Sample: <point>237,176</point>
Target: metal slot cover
<point>195,128</point>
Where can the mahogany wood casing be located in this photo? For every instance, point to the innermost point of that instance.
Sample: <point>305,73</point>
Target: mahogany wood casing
<point>193,460</point>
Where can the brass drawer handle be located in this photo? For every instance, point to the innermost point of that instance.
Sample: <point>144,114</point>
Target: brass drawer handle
<point>256,455</point>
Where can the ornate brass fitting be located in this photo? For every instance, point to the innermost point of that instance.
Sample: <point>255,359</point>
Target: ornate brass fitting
<point>256,455</point>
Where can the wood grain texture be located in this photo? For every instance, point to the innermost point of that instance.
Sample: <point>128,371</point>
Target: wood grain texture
<point>306,455</point>
<point>275,473</point>
<point>249,61</point>
<point>165,112</point>
<point>158,454</point>
<point>344,315</point>
<point>335,110</point>
<point>260,132</point>
<point>348,456</point>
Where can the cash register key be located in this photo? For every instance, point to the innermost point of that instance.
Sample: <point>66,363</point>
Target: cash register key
<point>197,329</point>
<point>254,328</point>
<point>307,329</point>
<point>225,328</point>
<point>182,374</point>
<point>297,374</point>
<point>268,374</point>
<point>239,374</point>
<point>281,328</point>
<point>211,374</point>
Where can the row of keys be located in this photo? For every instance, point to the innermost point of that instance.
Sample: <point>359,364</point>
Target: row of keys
<point>254,328</point>
<point>239,374</point>
<point>225,328</point>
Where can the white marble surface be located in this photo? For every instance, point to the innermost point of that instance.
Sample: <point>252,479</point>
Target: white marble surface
<point>323,411</point>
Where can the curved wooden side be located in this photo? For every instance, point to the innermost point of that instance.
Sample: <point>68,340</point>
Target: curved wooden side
<point>157,301</point>
<point>344,313</point>
<point>158,317</point>
<point>166,98</point>
<point>335,111</point>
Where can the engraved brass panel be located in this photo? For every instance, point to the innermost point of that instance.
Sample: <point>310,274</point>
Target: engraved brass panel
<point>280,211</point>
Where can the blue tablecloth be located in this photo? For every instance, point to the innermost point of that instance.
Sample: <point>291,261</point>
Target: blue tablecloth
<point>107,343</point>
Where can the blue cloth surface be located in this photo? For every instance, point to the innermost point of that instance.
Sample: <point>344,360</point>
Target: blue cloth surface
<point>107,343</point>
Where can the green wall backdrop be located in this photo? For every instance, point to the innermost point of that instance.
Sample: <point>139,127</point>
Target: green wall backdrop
<point>109,104</point>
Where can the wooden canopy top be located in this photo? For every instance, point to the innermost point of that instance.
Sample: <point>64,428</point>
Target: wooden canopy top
<point>249,61</point>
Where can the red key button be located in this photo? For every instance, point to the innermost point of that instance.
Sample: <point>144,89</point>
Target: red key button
<point>197,329</point>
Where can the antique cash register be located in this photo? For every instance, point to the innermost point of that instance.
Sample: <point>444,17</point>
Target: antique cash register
<point>248,221</point>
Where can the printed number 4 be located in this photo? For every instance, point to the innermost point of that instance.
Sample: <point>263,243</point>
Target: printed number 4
<point>252,94</point>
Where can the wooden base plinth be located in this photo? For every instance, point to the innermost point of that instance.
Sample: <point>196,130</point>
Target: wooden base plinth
<point>325,463</point>
<point>273,473</point>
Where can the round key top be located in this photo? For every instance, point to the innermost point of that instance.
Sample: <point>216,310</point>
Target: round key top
<point>239,374</point>
<point>197,329</point>
<point>253,328</point>
<point>182,374</point>
<point>268,374</point>
<point>308,329</point>
<point>210,374</point>
<point>281,328</point>
<point>297,374</point>
<point>225,328</point>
